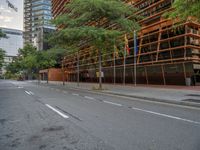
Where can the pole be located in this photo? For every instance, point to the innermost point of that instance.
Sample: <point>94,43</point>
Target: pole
<point>63,73</point>
<point>78,69</point>
<point>114,64</point>
<point>135,58</point>
<point>124,76</point>
<point>47,76</point>
<point>100,78</point>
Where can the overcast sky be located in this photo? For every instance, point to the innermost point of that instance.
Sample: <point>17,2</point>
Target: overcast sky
<point>9,18</point>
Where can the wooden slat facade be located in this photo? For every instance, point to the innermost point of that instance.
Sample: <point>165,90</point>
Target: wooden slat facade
<point>166,54</point>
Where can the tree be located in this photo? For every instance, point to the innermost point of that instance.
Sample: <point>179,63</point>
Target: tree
<point>30,61</point>
<point>2,55</point>
<point>84,23</point>
<point>2,35</point>
<point>27,50</point>
<point>184,9</point>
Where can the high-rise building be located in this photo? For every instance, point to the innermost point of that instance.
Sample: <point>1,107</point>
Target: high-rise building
<point>10,45</point>
<point>37,16</point>
<point>167,54</point>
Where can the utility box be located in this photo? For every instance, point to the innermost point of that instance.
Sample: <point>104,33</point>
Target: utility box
<point>188,82</point>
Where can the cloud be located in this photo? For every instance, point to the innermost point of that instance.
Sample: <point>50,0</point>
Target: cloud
<point>3,9</point>
<point>10,18</point>
<point>6,18</point>
<point>4,26</point>
<point>7,10</point>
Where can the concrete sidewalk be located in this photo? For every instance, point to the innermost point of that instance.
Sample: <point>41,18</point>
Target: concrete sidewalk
<point>169,94</point>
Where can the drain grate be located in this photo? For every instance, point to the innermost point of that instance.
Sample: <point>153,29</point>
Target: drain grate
<point>192,100</point>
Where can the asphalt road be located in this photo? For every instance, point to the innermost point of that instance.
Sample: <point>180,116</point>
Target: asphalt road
<point>38,117</point>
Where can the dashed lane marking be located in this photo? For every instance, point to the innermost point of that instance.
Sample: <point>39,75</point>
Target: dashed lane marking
<point>28,93</point>
<point>58,112</point>
<point>75,94</point>
<point>31,93</point>
<point>116,104</point>
<point>165,115</point>
<point>91,98</point>
<point>136,99</point>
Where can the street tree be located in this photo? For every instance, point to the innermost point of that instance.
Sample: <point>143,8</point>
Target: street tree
<point>2,55</point>
<point>2,35</point>
<point>183,9</point>
<point>85,20</point>
<point>29,61</point>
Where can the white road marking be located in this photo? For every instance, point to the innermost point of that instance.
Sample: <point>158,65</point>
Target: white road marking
<point>137,99</point>
<point>65,92</point>
<point>31,93</point>
<point>116,104</point>
<point>20,87</point>
<point>165,115</point>
<point>28,93</point>
<point>58,112</point>
<point>89,97</point>
<point>75,94</point>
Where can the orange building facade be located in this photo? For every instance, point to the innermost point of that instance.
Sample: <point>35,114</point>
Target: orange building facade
<point>58,7</point>
<point>51,74</point>
<point>166,54</point>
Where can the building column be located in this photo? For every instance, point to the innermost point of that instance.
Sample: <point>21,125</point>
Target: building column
<point>146,75</point>
<point>163,74</point>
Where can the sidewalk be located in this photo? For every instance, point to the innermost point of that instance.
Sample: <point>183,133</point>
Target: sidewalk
<point>169,94</point>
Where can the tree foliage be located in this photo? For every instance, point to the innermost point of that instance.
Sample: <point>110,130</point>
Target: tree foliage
<point>29,61</point>
<point>2,55</point>
<point>2,35</point>
<point>184,9</point>
<point>84,23</point>
<point>92,22</point>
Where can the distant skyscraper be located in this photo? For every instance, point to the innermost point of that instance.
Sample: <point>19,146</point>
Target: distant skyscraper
<point>37,16</point>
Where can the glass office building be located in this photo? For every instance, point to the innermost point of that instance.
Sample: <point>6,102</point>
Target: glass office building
<point>37,16</point>
<point>11,44</point>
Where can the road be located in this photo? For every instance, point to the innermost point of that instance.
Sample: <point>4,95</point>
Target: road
<point>39,117</point>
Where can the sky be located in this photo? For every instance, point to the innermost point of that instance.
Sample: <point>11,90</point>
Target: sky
<point>9,18</point>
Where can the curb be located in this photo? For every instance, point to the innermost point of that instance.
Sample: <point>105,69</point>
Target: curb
<point>181,103</point>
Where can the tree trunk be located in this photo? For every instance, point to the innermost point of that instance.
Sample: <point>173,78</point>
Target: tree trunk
<point>78,74</point>
<point>48,77</point>
<point>63,73</point>
<point>63,76</point>
<point>100,68</point>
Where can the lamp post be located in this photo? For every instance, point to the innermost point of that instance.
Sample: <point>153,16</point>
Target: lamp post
<point>135,57</point>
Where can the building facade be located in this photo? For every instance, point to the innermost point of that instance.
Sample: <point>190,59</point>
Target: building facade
<point>37,16</point>
<point>10,45</point>
<point>167,54</point>
<point>58,7</point>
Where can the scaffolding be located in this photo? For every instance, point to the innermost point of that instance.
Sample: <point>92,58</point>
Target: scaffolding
<point>168,52</point>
